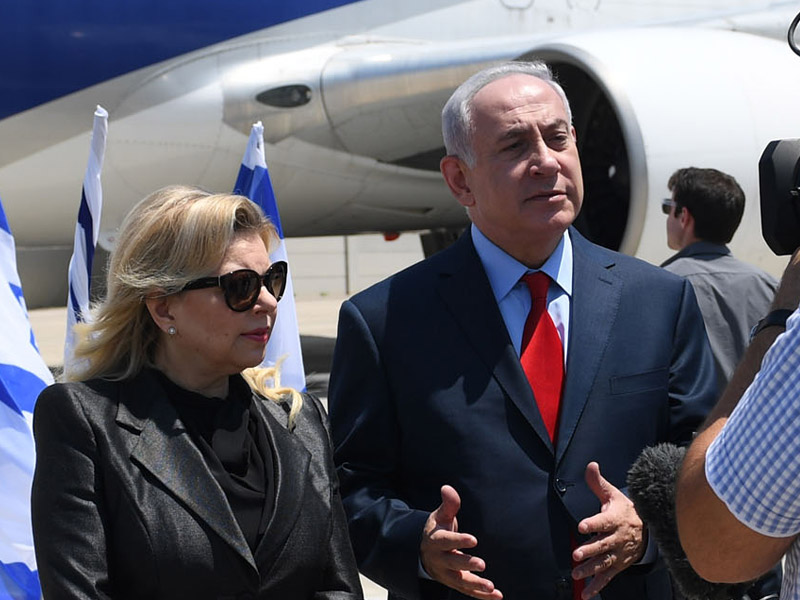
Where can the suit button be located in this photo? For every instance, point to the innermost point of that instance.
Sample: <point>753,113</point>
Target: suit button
<point>561,486</point>
<point>563,588</point>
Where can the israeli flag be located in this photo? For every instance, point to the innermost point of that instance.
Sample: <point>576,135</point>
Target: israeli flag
<point>86,231</point>
<point>23,375</point>
<point>254,182</point>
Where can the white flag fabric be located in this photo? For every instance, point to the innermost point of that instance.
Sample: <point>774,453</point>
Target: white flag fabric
<point>86,231</point>
<point>23,374</point>
<point>284,344</point>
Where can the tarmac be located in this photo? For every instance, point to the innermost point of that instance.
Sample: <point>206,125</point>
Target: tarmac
<point>317,318</point>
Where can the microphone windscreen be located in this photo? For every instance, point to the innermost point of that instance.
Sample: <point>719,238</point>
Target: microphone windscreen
<point>651,485</point>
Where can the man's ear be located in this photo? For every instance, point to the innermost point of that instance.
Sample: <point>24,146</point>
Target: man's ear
<point>454,172</point>
<point>160,308</point>
<point>686,219</point>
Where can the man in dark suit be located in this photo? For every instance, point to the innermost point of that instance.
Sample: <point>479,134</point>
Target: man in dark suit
<point>470,424</point>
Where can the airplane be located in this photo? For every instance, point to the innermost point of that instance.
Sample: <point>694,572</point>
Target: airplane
<point>350,94</point>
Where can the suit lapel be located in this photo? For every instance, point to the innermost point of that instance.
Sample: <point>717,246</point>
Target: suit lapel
<point>465,290</point>
<point>165,450</point>
<point>596,292</point>
<point>291,460</point>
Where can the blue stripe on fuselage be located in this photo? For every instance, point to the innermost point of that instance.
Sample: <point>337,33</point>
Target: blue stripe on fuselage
<point>51,48</point>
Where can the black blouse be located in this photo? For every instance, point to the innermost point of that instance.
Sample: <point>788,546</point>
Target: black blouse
<point>232,437</point>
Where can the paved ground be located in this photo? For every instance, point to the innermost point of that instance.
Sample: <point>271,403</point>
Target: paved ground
<point>317,318</point>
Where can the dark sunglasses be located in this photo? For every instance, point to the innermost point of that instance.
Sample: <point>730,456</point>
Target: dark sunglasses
<point>242,287</point>
<point>666,206</point>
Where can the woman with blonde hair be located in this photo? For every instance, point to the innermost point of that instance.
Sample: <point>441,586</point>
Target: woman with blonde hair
<point>166,468</point>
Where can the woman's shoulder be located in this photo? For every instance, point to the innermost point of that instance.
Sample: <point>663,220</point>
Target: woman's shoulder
<point>92,396</point>
<point>313,408</point>
<point>90,387</point>
<point>76,390</point>
<point>309,425</point>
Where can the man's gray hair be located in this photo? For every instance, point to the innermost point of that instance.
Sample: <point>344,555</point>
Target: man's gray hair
<point>457,123</point>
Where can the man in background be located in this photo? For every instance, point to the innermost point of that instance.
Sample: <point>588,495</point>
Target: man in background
<point>703,213</point>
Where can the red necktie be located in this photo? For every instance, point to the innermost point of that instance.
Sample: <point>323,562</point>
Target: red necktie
<point>542,355</point>
<point>542,358</point>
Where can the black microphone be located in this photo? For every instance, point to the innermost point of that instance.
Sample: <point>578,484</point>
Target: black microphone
<point>651,484</point>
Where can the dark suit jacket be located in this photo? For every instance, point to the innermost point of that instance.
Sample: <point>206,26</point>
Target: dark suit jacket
<point>426,389</point>
<point>124,506</point>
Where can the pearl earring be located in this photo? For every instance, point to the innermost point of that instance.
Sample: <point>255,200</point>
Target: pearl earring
<point>172,330</point>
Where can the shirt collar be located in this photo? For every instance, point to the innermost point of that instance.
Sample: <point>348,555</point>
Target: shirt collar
<point>697,249</point>
<point>504,271</point>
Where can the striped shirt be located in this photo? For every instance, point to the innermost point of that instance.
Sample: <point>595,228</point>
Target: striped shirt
<point>754,464</point>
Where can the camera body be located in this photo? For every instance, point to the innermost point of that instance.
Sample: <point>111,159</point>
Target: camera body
<point>779,179</point>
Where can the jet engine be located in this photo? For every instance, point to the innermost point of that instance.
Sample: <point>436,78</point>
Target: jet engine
<point>646,101</point>
<point>649,101</point>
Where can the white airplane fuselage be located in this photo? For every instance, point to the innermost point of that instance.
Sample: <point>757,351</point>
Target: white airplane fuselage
<point>350,96</point>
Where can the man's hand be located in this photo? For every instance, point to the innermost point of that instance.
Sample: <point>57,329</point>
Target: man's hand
<point>440,551</point>
<point>619,539</point>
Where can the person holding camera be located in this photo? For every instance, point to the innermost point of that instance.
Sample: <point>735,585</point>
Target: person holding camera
<point>738,492</point>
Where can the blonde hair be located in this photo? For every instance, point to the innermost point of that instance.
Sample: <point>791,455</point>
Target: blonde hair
<point>258,378</point>
<point>173,236</point>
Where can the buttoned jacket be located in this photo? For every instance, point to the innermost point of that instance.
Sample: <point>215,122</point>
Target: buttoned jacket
<point>426,389</point>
